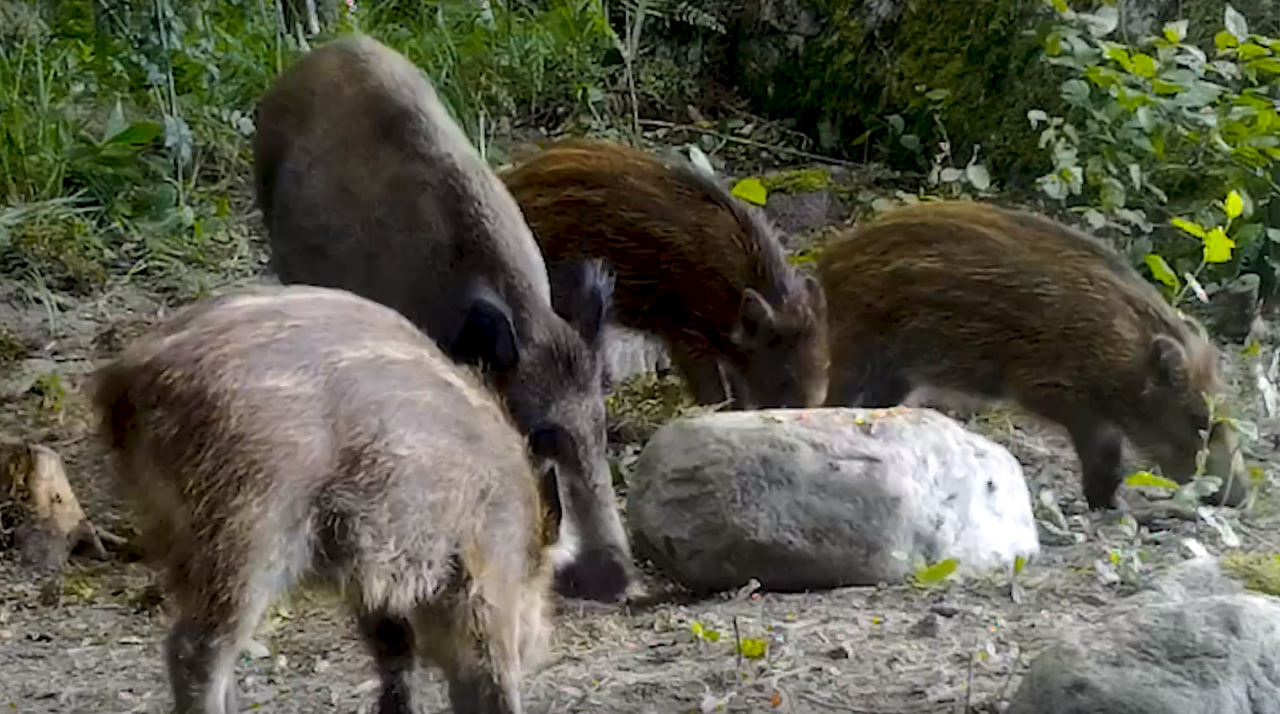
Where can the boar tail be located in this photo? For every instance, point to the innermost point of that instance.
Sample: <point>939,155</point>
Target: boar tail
<point>113,402</point>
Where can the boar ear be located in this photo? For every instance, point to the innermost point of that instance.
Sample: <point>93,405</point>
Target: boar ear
<point>488,335</point>
<point>817,296</point>
<point>582,292</point>
<point>1168,360</point>
<point>549,490</point>
<point>756,315</point>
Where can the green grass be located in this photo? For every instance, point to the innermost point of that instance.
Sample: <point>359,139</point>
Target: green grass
<point>125,127</point>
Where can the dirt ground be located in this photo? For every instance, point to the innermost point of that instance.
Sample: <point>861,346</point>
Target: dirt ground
<point>89,641</point>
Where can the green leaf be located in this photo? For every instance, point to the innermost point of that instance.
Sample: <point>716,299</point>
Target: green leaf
<point>1060,6</point>
<point>1224,40</point>
<point>1019,562</point>
<point>704,633</point>
<point>1103,22</point>
<point>1250,51</point>
<point>937,572</point>
<point>1144,65</point>
<point>1161,270</point>
<point>937,95</point>
<point>1175,31</point>
<point>1145,479</point>
<point>1235,23</point>
<point>115,122</point>
<point>139,133</point>
<point>1246,234</point>
<point>751,190</point>
<point>1160,86</point>
<point>1119,55</point>
<point>1075,92</point>
<point>753,648</point>
<point>1234,205</point>
<point>1270,65</point>
<point>1102,76</point>
<point>1217,246</point>
<point>1189,226</point>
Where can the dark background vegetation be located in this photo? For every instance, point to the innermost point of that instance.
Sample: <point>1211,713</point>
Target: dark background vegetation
<point>125,126</point>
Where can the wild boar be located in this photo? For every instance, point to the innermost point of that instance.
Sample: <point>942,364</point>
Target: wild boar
<point>289,432</point>
<point>692,264</point>
<point>367,183</point>
<point>997,303</point>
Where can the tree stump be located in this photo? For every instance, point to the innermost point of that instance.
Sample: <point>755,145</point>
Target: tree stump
<point>39,513</point>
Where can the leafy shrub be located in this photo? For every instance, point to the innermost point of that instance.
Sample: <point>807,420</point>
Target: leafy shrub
<point>1171,146</point>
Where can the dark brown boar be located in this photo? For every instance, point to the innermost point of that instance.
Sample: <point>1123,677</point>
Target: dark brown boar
<point>692,264</point>
<point>366,183</point>
<point>997,303</point>
<point>272,435</point>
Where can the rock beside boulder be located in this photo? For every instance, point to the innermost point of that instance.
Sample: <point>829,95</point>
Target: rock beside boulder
<point>630,352</point>
<point>1192,643</point>
<point>1236,306</point>
<point>806,499</point>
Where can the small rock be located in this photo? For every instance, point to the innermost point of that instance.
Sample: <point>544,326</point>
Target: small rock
<point>928,626</point>
<point>802,212</point>
<point>944,609</point>
<point>844,651</point>
<point>256,650</point>
<point>823,498</point>
<point>1236,306</point>
<point>630,352</point>
<point>1191,643</point>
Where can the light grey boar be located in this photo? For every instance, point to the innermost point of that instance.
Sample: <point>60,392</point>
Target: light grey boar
<point>298,432</point>
<point>367,183</point>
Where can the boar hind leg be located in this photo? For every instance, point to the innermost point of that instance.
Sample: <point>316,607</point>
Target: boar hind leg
<point>486,675</point>
<point>474,638</point>
<point>390,640</point>
<point>701,372</point>
<point>202,646</point>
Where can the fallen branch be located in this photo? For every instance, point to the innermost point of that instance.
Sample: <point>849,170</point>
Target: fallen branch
<point>39,509</point>
<point>659,124</point>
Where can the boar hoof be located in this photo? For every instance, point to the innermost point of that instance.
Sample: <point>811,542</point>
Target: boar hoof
<point>599,575</point>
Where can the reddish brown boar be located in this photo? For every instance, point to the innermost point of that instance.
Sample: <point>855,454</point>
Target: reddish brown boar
<point>268,436</point>
<point>366,183</point>
<point>998,303</point>
<point>692,264</point>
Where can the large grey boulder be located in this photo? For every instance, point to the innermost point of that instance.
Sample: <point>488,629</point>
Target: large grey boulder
<point>819,498</point>
<point>1193,643</point>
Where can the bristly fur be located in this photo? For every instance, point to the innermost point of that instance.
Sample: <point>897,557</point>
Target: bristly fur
<point>1001,303</point>
<point>282,432</point>
<point>686,254</point>
<point>366,183</point>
